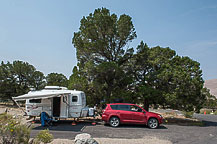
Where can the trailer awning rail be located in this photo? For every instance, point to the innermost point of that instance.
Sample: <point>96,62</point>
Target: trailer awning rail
<point>39,95</point>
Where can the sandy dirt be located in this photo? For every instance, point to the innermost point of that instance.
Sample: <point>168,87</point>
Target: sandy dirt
<point>15,112</point>
<point>148,140</point>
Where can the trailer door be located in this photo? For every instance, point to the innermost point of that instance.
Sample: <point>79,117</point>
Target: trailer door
<point>56,106</point>
<point>64,106</point>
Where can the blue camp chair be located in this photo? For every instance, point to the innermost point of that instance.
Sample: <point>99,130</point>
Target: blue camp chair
<point>45,119</point>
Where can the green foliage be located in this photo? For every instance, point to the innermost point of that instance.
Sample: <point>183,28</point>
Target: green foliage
<point>211,101</point>
<point>108,69</point>
<point>16,78</point>
<point>55,79</point>
<point>207,111</point>
<point>215,113</point>
<point>76,81</point>
<point>185,84</point>
<point>79,82</point>
<point>12,131</point>
<point>162,77</point>
<point>103,56</point>
<point>43,136</point>
<point>189,114</point>
<point>38,80</point>
<point>102,37</point>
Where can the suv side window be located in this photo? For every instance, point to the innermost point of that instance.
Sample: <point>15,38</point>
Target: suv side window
<point>114,107</point>
<point>124,107</point>
<point>135,108</point>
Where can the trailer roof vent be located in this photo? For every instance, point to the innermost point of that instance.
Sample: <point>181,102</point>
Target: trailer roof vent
<point>55,88</point>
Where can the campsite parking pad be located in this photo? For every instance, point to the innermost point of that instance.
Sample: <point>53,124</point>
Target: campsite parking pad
<point>174,133</point>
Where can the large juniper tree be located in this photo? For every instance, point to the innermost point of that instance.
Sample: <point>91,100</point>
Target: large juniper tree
<point>108,69</point>
<point>162,77</point>
<point>102,52</point>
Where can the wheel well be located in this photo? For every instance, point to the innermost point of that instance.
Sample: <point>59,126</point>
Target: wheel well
<point>113,116</point>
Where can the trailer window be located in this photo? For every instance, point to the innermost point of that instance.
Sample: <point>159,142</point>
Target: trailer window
<point>35,101</point>
<point>74,98</point>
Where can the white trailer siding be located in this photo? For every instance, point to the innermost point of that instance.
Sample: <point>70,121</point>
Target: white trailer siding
<point>75,105</point>
<point>56,101</point>
<point>36,106</point>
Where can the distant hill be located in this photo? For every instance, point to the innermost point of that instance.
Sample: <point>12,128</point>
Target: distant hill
<point>212,86</point>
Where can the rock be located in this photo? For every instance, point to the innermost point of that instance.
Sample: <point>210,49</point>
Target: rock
<point>84,138</point>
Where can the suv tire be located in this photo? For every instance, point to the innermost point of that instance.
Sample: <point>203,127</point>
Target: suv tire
<point>114,121</point>
<point>153,123</point>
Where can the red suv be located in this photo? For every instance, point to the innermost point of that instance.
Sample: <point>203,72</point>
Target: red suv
<point>124,113</point>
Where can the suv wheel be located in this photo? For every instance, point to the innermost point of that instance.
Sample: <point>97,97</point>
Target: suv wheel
<point>152,123</point>
<point>114,121</point>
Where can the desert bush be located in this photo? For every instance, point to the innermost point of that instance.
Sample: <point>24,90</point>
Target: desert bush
<point>188,114</point>
<point>12,131</point>
<point>44,136</point>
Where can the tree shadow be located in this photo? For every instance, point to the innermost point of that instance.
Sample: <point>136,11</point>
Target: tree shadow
<point>135,126</point>
<point>209,123</point>
<point>63,125</point>
<point>207,120</point>
<point>183,122</point>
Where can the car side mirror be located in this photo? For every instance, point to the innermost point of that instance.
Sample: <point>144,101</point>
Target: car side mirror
<point>140,110</point>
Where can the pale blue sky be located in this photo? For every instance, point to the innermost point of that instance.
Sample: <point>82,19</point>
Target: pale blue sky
<point>40,31</point>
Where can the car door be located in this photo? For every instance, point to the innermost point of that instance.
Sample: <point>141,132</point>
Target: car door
<point>124,113</point>
<point>138,115</point>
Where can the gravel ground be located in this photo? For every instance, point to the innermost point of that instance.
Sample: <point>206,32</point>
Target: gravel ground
<point>149,140</point>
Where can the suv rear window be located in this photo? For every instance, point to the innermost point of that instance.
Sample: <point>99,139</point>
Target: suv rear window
<point>104,106</point>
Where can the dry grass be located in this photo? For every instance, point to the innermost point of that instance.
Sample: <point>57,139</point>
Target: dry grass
<point>174,118</point>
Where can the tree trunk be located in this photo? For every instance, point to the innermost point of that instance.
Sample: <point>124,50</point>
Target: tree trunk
<point>146,104</point>
<point>108,95</point>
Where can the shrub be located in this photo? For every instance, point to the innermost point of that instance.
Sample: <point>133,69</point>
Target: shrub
<point>12,131</point>
<point>208,111</point>
<point>189,114</point>
<point>44,136</point>
<point>215,113</point>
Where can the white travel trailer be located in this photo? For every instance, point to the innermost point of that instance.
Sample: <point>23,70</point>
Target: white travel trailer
<point>58,102</point>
